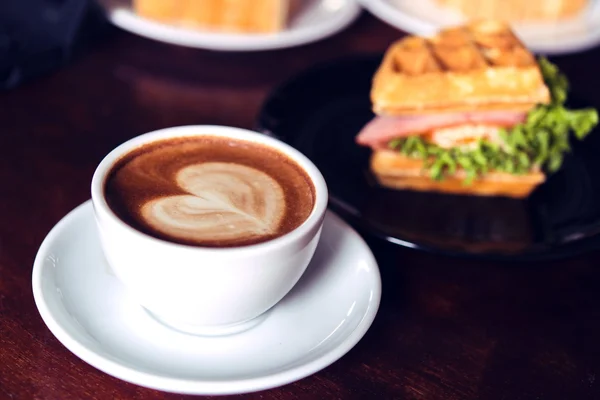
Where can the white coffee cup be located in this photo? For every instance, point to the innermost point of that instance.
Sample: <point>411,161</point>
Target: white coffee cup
<point>199,289</point>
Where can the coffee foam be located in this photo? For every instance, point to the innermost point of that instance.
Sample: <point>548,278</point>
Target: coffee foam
<point>227,202</point>
<point>210,191</point>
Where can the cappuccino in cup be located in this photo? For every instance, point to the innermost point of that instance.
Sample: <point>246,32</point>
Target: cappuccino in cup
<point>208,227</point>
<point>210,191</point>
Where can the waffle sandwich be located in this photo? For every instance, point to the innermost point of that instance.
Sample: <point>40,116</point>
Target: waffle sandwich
<point>469,111</point>
<point>238,16</point>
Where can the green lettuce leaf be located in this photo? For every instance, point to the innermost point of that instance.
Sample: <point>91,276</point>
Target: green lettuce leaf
<point>556,82</point>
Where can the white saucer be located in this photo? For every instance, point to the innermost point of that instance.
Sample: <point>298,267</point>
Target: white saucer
<point>89,311</point>
<point>425,17</point>
<point>318,20</point>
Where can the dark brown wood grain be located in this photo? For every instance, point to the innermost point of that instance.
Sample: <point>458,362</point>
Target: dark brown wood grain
<point>447,328</point>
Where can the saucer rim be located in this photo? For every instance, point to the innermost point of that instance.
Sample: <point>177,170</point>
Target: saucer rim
<point>120,369</point>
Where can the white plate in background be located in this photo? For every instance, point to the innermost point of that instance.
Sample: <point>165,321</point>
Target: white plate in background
<point>317,20</point>
<point>425,17</point>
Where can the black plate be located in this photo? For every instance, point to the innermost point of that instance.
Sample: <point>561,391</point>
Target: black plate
<point>320,112</point>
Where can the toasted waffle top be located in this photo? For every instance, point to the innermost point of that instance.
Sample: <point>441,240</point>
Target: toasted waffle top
<point>481,65</point>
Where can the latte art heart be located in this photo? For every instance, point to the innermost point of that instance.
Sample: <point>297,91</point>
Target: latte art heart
<point>210,191</point>
<point>225,202</point>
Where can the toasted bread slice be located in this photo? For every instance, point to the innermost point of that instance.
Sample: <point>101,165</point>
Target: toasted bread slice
<point>517,10</point>
<point>396,171</point>
<point>244,16</point>
<point>482,66</point>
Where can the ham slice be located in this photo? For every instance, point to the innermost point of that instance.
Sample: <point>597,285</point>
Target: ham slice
<point>382,129</point>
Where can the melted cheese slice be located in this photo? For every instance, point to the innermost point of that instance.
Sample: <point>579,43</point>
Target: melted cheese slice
<point>463,136</point>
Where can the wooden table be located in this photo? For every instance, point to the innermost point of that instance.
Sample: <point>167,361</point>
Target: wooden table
<point>447,328</point>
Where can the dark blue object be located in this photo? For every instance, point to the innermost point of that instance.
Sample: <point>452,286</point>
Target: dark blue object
<point>38,36</point>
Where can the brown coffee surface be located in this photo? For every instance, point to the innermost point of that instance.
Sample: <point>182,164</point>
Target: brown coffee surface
<point>210,191</point>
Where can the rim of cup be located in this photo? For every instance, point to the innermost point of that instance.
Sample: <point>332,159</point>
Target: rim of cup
<point>107,163</point>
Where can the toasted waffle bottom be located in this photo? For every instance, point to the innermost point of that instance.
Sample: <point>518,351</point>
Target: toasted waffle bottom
<point>396,171</point>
